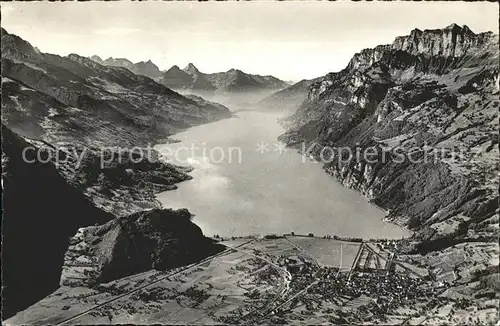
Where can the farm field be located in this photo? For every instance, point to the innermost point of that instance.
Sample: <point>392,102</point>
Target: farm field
<point>327,251</point>
<point>291,279</point>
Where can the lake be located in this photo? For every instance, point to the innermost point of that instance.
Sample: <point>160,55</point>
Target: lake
<point>245,182</point>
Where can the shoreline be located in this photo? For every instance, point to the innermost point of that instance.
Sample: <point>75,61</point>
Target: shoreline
<point>189,168</point>
<point>363,195</point>
<point>274,236</point>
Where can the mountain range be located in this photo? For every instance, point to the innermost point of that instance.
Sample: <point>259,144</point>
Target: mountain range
<point>66,108</point>
<point>74,98</point>
<point>190,79</point>
<point>145,68</point>
<point>430,97</point>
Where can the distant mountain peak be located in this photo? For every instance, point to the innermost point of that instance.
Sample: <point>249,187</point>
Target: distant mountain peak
<point>97,59</point>
<point>233,71</point>
<point>459,29</point>
<point>176,71</point>
<point>466,29</point>
<point>192,70</point>
<point>147,63</point>
<point>147,68</point>
<point>452,26</point>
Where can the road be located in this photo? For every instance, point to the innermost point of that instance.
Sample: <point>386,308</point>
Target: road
<point>151,283</point>
<point>285,285</point>
<point>317,275</point>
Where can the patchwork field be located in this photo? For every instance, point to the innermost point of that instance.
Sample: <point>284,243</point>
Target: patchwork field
<point>275,280</point>
<point>327,252</point>
<point>201,293</point>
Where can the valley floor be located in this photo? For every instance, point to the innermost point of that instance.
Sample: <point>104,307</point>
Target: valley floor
<point>271,280</point>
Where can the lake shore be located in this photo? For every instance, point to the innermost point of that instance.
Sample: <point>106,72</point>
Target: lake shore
<point>269,192</point>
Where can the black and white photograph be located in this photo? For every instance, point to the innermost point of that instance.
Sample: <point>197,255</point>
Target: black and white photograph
<point>250,163</point>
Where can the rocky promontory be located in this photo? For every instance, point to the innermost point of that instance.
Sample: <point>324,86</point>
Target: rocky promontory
<point>158,239</point>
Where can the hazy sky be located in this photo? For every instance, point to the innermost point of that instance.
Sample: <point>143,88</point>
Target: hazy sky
<point>291,40</point>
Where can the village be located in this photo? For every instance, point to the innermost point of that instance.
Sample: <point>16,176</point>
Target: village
<point>286,279</point>
<point>367,284</point>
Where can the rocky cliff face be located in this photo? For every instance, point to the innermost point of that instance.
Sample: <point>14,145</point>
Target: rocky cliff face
<point>432,94</point>
<point>452,41</point>
<point>156,239</point>
<point>200,81</point>
<point>75,98</point>
<point>419,118</point>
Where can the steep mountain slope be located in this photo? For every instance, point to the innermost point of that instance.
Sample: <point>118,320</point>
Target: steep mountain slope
<point>414,127</point>
<point>117,180</point>
<point>47,200</point>
<point>431,90</point>
<point>40,212</point>
<point>79,114</point>
<point>427,105</point>
<point>56,97</point>
<point>288,99</point>
<point>145,68</point>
